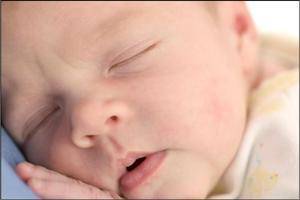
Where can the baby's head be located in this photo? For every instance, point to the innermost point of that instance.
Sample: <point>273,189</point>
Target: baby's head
<point>86,84</point>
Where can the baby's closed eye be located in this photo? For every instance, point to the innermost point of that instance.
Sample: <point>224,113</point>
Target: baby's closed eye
<point>39,121</point>
<point>125,61</point>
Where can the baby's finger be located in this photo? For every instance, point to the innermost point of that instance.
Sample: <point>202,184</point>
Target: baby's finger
<point>27,170</point>
<point>24,170</point>
<point>61,190</point>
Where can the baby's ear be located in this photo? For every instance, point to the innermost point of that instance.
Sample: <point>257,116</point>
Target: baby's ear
<point>236,22</point>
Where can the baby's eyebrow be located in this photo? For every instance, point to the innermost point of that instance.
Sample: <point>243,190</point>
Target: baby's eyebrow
<point>120,18</point>
<point>115,32</point>
<point>113,22</point>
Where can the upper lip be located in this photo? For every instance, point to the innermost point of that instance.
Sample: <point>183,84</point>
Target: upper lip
<point>131,157</point>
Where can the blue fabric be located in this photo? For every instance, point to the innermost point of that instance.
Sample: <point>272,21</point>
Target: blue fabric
<point>12,187</point>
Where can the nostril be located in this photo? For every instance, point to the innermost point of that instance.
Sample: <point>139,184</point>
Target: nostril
<point>90,137</point>
<point>112,120</point>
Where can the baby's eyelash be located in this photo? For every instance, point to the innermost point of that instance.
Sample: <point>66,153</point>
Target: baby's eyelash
<point>126,60</point>
<point>128,63</point>
<point>33,127</point>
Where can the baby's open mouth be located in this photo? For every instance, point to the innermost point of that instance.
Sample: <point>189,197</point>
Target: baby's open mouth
<point>141,169</point>
<point>135,164</point>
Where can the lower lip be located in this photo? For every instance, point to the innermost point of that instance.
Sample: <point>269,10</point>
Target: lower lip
<point>132,179</point>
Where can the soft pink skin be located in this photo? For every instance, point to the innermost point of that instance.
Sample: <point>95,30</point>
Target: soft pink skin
<point>188,94</point>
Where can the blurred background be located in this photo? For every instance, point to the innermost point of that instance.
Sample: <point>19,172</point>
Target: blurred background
<point>279,17</point>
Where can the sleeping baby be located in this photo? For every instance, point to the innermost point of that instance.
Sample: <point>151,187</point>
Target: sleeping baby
<point>146,100</point>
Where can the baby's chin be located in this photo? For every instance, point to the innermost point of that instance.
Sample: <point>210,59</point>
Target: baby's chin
<point>182,174</point>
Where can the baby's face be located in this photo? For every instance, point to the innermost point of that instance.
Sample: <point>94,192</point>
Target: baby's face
<point>86,84</point>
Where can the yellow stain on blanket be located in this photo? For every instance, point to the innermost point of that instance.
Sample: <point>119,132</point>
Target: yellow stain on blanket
<point>261,100</point>
<point>278,83</point>
<point>270,107</point>
<point>260,181</point>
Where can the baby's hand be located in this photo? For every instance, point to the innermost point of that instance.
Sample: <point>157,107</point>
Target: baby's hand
<point>53,185</point>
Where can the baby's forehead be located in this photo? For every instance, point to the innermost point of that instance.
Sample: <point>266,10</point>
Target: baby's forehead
<point>59,22</point>
<point>66,12</point>
<point>51,19</point>
<point>82,10</point>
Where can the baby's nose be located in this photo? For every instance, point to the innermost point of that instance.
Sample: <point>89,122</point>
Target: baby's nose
<point>90,119</point>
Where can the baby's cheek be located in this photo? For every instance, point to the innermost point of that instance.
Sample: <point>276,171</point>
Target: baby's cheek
<point>51,150</point>
<point>61,157</point>
<point>228,112</point>
<point>218,110</point>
